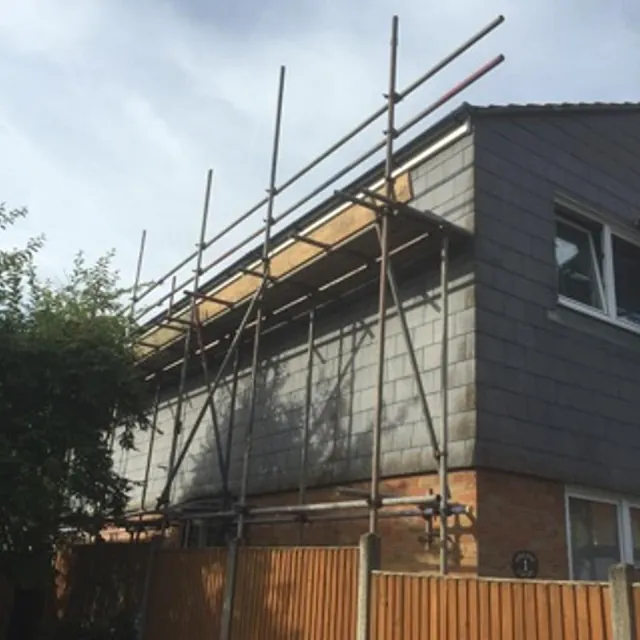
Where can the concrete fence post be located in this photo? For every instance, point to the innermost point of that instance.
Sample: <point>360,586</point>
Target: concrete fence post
<point>622,602</point>
<point>228,594</point>
<point>369,561</point>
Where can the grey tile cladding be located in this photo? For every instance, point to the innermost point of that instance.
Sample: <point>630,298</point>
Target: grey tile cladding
<point>557,393</point>
<point>344,378</point>
<point>533,388</point>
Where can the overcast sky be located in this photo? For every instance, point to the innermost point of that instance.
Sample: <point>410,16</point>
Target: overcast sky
<point>111,111</point>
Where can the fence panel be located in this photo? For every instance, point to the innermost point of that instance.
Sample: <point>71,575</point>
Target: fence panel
<point>302,593</point>
<point>98,589</point>
<point>636,605</point>
<point>310,593</point>
<point>429,608</point>
<point>185,594</point>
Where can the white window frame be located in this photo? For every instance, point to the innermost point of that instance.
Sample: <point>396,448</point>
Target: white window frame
<point>594,257</point>
<point>623,505</point>
<point>605,271</point>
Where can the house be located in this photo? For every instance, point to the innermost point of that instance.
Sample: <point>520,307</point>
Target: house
<point>543,357</point>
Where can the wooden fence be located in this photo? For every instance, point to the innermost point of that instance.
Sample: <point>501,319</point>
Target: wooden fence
<point>426,608</point>
<point>98,588</point>
<point>296,593</point>
<point>309,593</point>
<point>303,593</point>
<point>185,594</point>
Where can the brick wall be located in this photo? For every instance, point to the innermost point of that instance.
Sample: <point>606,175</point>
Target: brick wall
<point>508,513</point>
<point>520,513</point>
<point>402,549</point>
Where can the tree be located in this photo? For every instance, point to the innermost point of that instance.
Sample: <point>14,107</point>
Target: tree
<point>67,376</point>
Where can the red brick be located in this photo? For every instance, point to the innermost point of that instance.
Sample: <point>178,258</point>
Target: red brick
<point>508,513</point>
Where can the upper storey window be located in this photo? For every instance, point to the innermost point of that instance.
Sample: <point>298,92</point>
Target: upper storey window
<point>579,273</point>
<point>626,275</point>
<point>598,269</point>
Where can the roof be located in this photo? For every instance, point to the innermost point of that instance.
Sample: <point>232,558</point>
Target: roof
<point>551,108</point>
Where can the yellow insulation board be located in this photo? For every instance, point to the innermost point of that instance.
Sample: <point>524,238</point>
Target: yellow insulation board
<point>349,222</point>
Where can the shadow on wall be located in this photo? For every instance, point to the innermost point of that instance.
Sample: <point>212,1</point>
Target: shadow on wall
<point>411,545</point>
<point>404,543</point>
<point>340,434</point>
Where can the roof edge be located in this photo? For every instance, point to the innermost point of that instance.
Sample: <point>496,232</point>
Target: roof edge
<point>411,148</point>
<point>553,108</point>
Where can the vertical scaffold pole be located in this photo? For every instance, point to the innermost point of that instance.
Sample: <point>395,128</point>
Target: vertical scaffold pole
<point>136,282</point>
<point>382,296</point>
<point>231,423</point>
<point>130,317</point>
<point>156,406</point>
<point>232,559</point>
<point>308,396</point>
<point>152,437</point>
<point>444,401</point>
<point>266,273</point>
<point>184,369</point>
<point>197,329</point>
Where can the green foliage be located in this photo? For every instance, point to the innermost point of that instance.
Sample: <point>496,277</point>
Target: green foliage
<point>67,376</point>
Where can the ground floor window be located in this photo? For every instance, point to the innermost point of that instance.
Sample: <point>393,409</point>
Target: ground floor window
<point>602,530</point>
<point>202,533</point>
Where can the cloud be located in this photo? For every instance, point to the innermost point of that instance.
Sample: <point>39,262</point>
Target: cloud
<point>112,111</point>
<point>56,29</point>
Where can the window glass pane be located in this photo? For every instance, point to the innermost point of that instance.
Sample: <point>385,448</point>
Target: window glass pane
<point>626,269</point>
<point>634,514</point>
<point>576,267</point>
<point>192,534</point>
<point>214,533</point>
<point>595,544</point>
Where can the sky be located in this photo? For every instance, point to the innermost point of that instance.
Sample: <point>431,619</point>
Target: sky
<point>112,111</point>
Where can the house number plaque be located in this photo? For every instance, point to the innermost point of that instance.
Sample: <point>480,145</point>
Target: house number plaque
<point>524,565</point>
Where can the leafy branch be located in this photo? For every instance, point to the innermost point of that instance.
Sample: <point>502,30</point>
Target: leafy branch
<point>67,378</point>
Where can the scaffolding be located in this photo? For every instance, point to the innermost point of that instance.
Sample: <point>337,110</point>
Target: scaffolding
<point>369,225</point>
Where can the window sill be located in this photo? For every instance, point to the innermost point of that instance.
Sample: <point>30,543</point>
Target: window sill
<point>598,315</point>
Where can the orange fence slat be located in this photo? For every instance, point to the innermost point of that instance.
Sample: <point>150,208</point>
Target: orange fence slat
<point>303,592</point>
<point>310,593</point>
<point>416,607</point>
<point>636,602</point>
<point>185,595</point>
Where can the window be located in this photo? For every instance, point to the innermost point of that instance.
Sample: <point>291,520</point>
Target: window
<point>598,269</point>
<point>202,533</point>
<point>634,519</point>
<point>579,276</point>
<point>602,531</point>
<point>595,541</point>
<point>626,273</point>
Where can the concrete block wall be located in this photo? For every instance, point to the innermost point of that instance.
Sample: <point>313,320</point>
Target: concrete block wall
<point>557,391</point>
<point>344,378</point>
